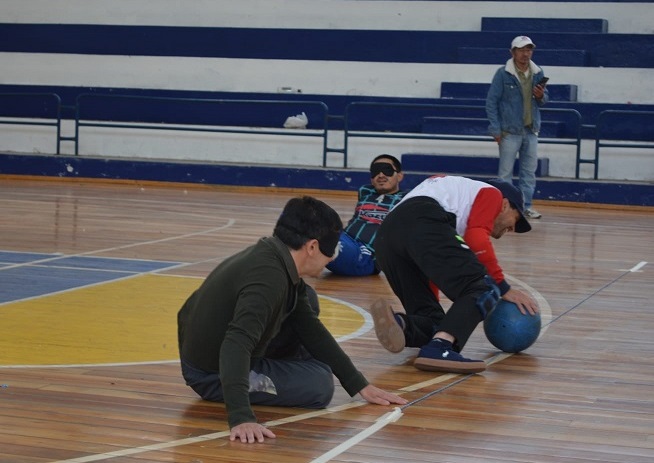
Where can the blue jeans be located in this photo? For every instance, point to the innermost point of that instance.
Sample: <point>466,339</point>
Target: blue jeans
<point>526,145</point>
<point>354,258</point>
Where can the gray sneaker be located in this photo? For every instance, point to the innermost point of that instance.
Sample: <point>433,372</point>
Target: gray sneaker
<point>532,214</point>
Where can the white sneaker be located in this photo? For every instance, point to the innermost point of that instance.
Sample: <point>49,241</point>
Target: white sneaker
<point>533,214</point>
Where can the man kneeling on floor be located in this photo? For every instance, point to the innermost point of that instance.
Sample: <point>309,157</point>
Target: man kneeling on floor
<point>438,238</point>
<point>251,333</point>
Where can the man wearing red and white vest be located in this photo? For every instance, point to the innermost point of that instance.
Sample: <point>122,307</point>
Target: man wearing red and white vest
<point>438,238</point>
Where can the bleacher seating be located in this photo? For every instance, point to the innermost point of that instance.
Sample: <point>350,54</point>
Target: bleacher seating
<point>557,57</point>
<point>571,42</point>
<point>477,126</point>
<point>530,25</point>
<point>385,46</point>
<point>472,90</point>
<point>478,166</point>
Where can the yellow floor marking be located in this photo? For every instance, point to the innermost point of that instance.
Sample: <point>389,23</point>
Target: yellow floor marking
<point>131,320</point>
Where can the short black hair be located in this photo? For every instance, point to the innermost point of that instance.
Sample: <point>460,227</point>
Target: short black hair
<point>305,218</point>
<point>396,162</point>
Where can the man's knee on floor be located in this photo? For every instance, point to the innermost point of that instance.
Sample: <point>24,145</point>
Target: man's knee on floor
<point>324,395</point>
<point>321,387</point>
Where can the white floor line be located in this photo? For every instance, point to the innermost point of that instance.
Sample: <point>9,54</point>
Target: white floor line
<point>229,223</point>
<point>381,422</point>
<point>205,437</point>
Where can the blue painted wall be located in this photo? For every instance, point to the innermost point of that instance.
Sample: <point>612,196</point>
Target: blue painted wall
<point>611,193</point>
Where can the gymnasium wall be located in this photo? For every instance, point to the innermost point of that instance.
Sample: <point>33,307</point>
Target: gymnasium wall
<point>328,48</point>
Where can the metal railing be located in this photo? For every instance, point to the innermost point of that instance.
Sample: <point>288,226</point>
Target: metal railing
<point>622,129</point>
<point>405,121</point>
<point>39,109</point>
<point>198,115</point>
<point>614,128</point>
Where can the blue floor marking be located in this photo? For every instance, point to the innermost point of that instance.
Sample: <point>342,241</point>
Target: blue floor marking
<point>104,263</point>
<point>12,257</point>
<point>33,278</point>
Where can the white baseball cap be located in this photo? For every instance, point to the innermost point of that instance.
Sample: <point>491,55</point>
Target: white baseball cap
<point>522,41</point>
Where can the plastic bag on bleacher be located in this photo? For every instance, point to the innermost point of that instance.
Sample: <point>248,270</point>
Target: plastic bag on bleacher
<point>299,121</point>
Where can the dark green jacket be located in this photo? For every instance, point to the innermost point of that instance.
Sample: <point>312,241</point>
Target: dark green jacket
<point>239,308</point>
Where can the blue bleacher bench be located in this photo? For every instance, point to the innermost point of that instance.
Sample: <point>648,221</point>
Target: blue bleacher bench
<point>382,46</point>
<point>528,25</point>
<point>462,165</point>
<point>471,90</point>
<point>479,126</point>
<point>543,57</point>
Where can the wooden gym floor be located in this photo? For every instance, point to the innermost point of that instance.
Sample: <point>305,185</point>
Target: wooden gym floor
<point>92,275</point>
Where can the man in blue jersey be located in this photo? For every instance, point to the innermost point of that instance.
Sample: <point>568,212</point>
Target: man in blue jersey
<point>356,256</point>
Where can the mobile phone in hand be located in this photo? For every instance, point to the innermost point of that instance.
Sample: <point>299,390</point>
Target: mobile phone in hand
<point>543,81</point>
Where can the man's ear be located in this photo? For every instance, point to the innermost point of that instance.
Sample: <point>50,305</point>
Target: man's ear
<point>312,246</point>
<point>506,205</point>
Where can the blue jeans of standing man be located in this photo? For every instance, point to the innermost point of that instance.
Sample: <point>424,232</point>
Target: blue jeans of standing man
<point>526,145</point>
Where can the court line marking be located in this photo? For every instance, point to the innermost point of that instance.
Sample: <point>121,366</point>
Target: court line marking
<point>390,417</point>
<point>229,223</point>
<point>89,285</point>
<point>59,256</point>
<point>367,319</point>
<point>30,197</point>
<point>636,268</point>
<point>207,437</point>
<point>386,419</point>
<point>365,327</point>
<point>442,378</point>
<point>379,423</point>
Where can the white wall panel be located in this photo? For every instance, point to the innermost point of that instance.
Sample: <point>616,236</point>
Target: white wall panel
<point>597,85</point>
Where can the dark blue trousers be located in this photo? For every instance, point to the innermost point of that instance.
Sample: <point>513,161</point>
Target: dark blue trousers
<point>417,244</point>
<point>287,376</point>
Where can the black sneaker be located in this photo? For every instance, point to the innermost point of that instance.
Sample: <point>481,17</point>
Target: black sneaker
<point>387,328</point>
<point>438,355</point>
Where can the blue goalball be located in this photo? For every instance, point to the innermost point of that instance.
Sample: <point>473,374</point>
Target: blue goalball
<point>509,330</point>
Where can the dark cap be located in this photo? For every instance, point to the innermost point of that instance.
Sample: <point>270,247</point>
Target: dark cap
<point>514,195</point>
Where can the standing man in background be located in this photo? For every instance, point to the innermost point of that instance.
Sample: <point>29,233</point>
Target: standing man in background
<point>356,255</point>
<point>512,106</point>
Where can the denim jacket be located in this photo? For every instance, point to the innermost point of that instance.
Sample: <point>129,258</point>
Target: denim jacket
<point>504,101</point>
